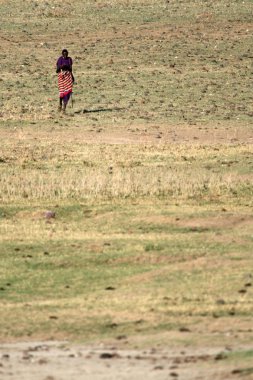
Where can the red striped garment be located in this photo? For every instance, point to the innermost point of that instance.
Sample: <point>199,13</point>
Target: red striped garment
<point>65,83</point>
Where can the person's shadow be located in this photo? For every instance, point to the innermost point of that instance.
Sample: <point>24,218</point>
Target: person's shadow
<point>97,110</point>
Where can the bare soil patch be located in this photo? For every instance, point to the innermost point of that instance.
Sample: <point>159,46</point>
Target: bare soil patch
<point>127,134</point>
<point>215,221</point>
<point>61,360</point>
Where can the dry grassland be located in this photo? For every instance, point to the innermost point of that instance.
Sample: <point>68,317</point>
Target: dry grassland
<point>129,219</point>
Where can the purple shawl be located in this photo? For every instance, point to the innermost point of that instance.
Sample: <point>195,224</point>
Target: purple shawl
<point>64,62</point>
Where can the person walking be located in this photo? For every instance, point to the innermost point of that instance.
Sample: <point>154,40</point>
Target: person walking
<point>65,79</point>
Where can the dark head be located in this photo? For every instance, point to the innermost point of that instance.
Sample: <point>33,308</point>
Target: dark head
<point>65,53</point>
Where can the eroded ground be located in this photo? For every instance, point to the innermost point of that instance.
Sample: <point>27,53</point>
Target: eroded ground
<point>64,361</point>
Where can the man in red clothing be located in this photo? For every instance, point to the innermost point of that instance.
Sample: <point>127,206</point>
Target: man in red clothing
<point>65,79</point>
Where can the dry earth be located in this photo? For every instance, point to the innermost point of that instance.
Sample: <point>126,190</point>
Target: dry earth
<point>64,361</point>
<point>174,134</point>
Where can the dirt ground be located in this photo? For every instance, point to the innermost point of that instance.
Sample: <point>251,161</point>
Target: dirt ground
<point>140,134</point>
<point>64,361</point>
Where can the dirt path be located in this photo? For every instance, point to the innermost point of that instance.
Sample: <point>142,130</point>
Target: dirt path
<point>65,361</point>
<point>141,134</point>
